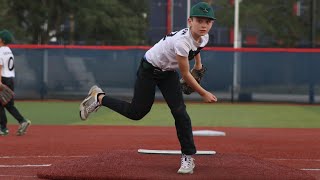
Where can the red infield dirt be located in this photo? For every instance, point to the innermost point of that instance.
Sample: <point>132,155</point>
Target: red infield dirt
<point>110,152</point>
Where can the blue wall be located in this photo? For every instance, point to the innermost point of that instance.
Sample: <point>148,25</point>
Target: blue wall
<point>68,73</point>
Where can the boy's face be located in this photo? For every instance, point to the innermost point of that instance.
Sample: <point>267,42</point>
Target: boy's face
<point>199,25</point>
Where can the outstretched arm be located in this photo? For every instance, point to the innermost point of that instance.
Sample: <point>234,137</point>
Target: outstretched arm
<point>188,78</point>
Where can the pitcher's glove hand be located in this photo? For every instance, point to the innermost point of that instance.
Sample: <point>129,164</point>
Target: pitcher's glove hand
<point>198,75</point>
<point>6,94</point>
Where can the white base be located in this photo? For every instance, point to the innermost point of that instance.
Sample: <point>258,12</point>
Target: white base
<point>149,151</point>
<point>208,133</point>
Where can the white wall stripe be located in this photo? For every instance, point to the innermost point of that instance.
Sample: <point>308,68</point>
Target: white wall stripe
<point>24,165</point>
<point>20,176</point>
<point>280,159</point>
<point>310,169</point>
<point>21,157</point>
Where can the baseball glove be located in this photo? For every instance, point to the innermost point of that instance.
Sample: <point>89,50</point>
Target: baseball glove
<point>6,94</point>
<point>198,75</point>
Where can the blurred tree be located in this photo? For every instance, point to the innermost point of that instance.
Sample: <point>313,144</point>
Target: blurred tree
<point>91,22</point>
<point>112,22</point>
<point>9,21</point>
<point>272,18</point>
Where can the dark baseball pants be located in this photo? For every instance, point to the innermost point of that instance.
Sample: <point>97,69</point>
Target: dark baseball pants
<point>10,106</point>
<point>148,77</point>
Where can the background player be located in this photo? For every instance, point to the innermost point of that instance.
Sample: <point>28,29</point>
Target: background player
<point>7,75</point>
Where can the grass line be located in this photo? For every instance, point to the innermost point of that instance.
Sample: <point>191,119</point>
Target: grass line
<point>217,115</point>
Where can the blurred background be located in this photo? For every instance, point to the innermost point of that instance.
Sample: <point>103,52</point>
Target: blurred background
<point>62,47</point>
<point>272,23</point>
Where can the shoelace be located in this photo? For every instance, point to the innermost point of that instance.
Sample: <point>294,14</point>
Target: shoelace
<point>92,107</point>
<point>186,162</point>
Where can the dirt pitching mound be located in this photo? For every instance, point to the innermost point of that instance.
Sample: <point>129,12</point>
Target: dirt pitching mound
<point>132,165</point>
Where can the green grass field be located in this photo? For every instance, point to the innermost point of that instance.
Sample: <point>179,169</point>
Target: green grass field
<point>215,115</point>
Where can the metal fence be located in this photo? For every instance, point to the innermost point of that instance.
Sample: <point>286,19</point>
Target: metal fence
<point>67,72</point>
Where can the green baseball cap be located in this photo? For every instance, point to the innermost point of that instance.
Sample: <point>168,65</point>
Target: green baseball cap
<point>202,9</point>
<point>6,36</point>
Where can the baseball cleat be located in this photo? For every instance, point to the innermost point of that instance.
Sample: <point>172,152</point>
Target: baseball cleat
<point>4,132</point>
<point>187,165</point>
<point>90,103</point>
<point>23,127</point>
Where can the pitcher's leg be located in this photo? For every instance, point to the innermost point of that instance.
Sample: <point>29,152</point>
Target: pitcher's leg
<point>143,98</point>
<point>172,93</point>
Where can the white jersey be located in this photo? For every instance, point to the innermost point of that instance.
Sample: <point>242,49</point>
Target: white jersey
<point>163,54</point>
<point>6,61</point>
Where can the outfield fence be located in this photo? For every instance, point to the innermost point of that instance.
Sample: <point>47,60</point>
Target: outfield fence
<point>259,74</point>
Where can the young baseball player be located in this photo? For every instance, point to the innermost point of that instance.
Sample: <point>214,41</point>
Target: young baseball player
<point>7,75</point>
<point>159,68</point>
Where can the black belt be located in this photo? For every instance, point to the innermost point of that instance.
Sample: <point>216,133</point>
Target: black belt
<point>146,65</point>
<point>157,72</point>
